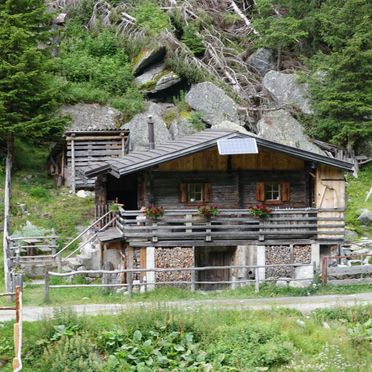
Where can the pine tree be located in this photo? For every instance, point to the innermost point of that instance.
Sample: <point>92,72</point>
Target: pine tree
<point>28,93</point>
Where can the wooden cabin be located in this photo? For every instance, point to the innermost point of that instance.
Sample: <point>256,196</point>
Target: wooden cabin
<point>78,148</point>
<point>304,190</point>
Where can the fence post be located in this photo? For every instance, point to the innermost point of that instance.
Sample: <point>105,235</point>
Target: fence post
<point>324,270</point>
<point>193,277</point>
<point>130,283</point>
<point>46,289</point>
<point>257,280</point>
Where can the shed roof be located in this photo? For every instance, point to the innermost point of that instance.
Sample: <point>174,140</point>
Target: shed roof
<point>138,160</point>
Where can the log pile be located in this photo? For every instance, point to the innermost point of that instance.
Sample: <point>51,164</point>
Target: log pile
<point>286,254</point>
<point>174,257</point>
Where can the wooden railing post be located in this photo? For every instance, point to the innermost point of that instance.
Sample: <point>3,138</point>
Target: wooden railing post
<point>46,288</point>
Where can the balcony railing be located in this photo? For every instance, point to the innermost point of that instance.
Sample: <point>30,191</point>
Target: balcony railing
<point>230,227</point>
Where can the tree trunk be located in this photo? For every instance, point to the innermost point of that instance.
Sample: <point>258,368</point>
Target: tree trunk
<point>7,194</point>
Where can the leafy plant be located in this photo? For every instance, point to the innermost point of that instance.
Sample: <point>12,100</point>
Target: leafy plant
<point>260,211</point>
<point>193,40</point>
<point>208,211</point>
<point>196,119</point>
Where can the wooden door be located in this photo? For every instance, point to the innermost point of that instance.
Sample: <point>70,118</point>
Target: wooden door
<point>214,256</point>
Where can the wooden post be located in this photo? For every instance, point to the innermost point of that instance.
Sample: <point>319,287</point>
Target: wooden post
<point>324,270</point>
<point>46,289</point>
<point>17,364</point>
<point>73,170</point>
<point>130,274</point>
<point>257,279</point>
<point>208,230</point>
<point>7,194</point>
<point>193,279</point>
<point>122,135</point>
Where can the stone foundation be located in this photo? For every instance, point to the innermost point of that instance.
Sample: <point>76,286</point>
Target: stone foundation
<point>173,257</point>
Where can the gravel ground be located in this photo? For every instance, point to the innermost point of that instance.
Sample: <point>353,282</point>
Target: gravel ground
<point>303,304</point>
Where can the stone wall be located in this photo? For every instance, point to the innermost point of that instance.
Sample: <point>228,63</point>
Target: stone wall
<point>286,254</point>
<point>173,257</point>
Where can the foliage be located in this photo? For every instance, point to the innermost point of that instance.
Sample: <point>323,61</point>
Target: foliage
<point>28,96</point>
<point>150,17</point>
<point>260,211</point>
<point>157,351</point>
<point>193,40</point>
<point>95,68</point>
<point>252,346</point>
<point>357,190</point>
<point>154,212</point>
<point>208,211</point>
<point>337,50</point>
<point>196,119</point>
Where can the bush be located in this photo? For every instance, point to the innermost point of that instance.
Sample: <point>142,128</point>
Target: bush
<point>251,346</point>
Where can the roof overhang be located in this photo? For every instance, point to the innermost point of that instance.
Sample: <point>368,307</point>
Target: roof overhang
<point>170,151</point>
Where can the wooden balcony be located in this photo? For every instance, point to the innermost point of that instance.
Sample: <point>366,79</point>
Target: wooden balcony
<point>185,228</point>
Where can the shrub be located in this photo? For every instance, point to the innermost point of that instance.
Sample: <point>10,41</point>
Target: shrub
<point>193,40</point>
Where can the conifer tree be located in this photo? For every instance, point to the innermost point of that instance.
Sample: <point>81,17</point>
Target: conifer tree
<point>28,93</point>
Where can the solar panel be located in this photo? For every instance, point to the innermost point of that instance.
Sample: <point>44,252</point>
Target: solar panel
<point>235,146</point>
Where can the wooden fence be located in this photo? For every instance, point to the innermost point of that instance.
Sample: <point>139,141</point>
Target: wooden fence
<point>331,268</point>
<point>17,360</point>
<point>192,283</point>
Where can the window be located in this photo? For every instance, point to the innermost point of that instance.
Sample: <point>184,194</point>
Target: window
<point>272,192</point>
<point>195,192</point>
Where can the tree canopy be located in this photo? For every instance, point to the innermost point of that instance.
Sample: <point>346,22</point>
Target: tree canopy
<point>29,96</point>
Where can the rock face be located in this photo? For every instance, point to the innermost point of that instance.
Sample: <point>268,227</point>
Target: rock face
<point>181,128</point>
<point>149,76</point>
<point>148,57</point>
<point>365,217</point>
<point>285,90</point>
<point>230,125</point>
<point>166,81</point>
<point>279,126</point>
<point>138,127</point>
<point>92,116</point>
<point>212,101</point>
<point>261,61</point>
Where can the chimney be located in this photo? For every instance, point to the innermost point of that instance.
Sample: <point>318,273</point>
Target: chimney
<point>151,132</point>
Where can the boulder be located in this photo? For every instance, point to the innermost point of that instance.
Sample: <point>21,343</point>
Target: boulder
<point>365,217</point>
<point>146,58</point>
<point>230,125</point>
<point>181,128</point>
<point>285,90</point>
<point>148,78</point>
<point>296,284</point>
<point>350,235</point>
<point>213,103</point>
<point>86,116</point>
<point>138,127</point>
<point>261,61</point>
<point>279,126</point>
<point>166,81</point>
<point>84,194</point>
<point>281,283</point>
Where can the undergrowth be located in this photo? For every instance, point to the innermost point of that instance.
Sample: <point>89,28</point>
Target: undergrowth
<point>177,340</point>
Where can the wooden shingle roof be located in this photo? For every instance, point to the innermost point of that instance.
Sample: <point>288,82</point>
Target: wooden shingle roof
<point>138,160</point>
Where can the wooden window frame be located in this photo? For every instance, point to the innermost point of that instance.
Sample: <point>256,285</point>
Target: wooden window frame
<point>184,190</point>
<point>284,192</point>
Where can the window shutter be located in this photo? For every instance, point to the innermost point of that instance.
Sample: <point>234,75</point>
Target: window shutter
<point>260,191</point>
<point>207,192</point>
<point>182,193</point>
<point>284,190</point>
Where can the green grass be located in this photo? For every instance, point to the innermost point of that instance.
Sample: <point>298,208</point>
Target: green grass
<point>34,295</point>
<point>274,340</point>
<point>357,189</point>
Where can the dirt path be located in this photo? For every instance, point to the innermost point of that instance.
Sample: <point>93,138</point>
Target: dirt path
<point>303,304</point>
